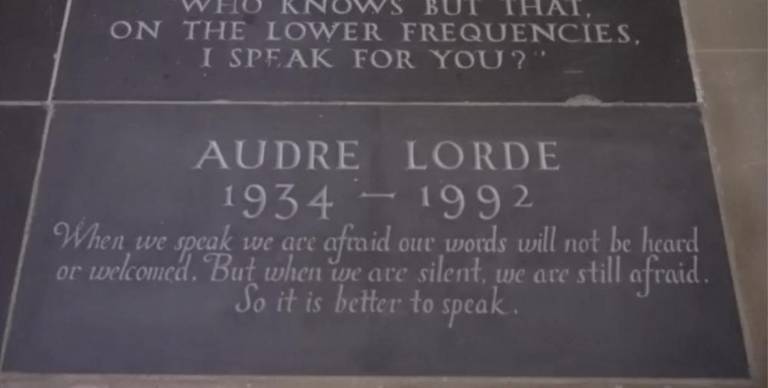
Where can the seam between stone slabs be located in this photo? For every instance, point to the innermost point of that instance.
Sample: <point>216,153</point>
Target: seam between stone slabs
<point>23,103</point>
<point>746,331</point>
<point>691,104</point>
<point>35,186</point>
<point>736,278</point>
<point>287,380</point>
<point>732,50</point>
<point>689,45</point>
<point>59,52</point>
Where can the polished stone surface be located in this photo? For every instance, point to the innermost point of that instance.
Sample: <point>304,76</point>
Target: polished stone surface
<point>145,183</point>
<point>29,36</point>
<point>21,130</point>
<point>646,63</point>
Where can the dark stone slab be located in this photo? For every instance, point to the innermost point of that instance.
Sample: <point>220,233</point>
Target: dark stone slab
<point>29,36</point>
<point>131,169</point>
<point>21,129</point>
<point>639,56</point>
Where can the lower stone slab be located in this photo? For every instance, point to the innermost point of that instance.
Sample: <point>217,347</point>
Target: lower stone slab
<point>21,129</point>
<point>361,240</point>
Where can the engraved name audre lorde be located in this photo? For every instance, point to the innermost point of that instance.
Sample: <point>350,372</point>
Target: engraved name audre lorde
<point>343,155</point>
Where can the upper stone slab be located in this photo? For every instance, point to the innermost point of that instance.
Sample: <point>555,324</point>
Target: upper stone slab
<point>377,50</point>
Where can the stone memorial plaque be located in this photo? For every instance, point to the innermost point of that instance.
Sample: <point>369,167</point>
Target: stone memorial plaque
<point>376,240</point>
<point>20,132</point>
<point>376,50</point>
<point>27,48</point>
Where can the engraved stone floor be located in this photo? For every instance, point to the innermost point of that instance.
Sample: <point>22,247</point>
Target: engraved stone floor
<point>729,55</point>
